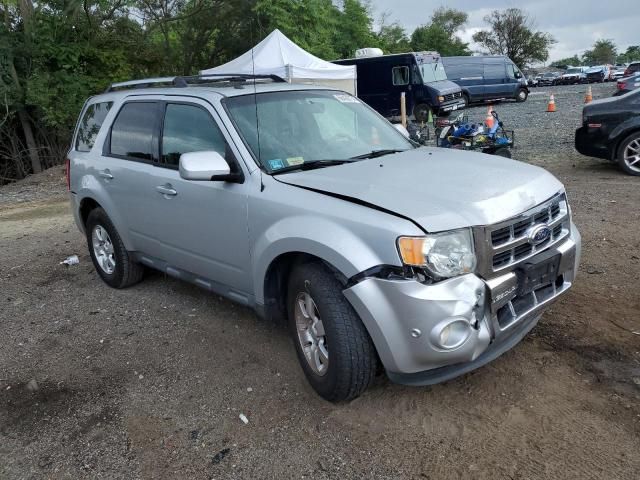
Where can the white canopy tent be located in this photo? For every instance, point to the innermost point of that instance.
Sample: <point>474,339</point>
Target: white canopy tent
<point>277,55</point>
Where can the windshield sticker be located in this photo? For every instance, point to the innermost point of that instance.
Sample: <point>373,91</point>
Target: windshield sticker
<point>275,164</point>
<point>346,98</point>
<point>295,161</point>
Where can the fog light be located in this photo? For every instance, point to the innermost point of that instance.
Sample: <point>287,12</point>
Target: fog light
<point>451,333</point>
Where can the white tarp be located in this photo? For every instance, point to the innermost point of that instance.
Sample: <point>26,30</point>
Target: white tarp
<point>277,55</point>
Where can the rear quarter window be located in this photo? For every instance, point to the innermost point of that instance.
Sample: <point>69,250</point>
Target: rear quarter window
<point>90,125</point>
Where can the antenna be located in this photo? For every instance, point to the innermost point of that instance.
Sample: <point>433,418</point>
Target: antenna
<point>255,101</point>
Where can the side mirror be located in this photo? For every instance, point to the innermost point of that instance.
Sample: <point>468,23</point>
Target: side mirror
<point>401,129</point>
<point>518,75</point>
<point>205,165</point>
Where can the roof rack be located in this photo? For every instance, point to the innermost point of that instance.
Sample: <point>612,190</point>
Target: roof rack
<point>185,81</point>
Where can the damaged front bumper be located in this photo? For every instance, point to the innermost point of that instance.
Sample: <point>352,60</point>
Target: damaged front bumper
<point>408,320</point>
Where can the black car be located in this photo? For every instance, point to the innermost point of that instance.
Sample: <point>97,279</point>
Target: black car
<point>611,130</point>
<point>549,78</point>
<point>628,84</point>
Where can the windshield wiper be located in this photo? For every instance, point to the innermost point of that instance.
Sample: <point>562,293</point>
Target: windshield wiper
<point>377,153</point>
<point>313,164</point>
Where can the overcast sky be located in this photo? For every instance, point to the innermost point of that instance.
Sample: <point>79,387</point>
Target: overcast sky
<point>575,24</point>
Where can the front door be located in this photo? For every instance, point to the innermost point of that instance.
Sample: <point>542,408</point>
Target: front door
<point>202,224</point>
<point>495,81</point>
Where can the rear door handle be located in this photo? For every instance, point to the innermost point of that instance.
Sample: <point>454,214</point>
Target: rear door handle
<point>166,190</point>
<point>106,174</point>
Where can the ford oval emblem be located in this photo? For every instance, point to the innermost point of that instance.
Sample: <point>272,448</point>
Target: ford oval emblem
<point>538,234</point>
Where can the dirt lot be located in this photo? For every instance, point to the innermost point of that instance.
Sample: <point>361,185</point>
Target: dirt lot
<point>149,382</point>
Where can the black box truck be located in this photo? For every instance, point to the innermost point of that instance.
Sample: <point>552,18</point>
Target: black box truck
<point>381,79</point>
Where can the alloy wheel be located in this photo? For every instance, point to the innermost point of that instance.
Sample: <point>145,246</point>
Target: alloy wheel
<point>632,155</point>
<point>311,334</point>
<point>103,249</point>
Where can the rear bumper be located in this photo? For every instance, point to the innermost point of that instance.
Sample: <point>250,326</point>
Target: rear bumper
<point>587,143</point>
<point>406,318</point>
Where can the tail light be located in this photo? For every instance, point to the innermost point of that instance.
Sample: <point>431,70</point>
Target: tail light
<point>67,168</point>
<point>621,86</point>
<point>627,72</point>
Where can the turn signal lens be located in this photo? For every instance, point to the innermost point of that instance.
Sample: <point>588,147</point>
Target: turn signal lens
<point>411,250</point>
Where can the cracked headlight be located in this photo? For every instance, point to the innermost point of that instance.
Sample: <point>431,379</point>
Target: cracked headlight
<point>445,254</point>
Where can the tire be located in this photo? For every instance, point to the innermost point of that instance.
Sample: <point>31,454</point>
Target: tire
<point>466,100</point>
<point>110,252</point>
<point>421,112</point>
<point>628,145</point>
<point>522,95</point>
<point>351,359</point>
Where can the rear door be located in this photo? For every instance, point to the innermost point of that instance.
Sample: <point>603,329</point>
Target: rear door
<point>202,224</point>
<point>129,153</point>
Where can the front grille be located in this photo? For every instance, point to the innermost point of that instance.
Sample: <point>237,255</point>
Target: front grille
<point>520,305</point>
<point>452,96</point>
<point>506,244</point>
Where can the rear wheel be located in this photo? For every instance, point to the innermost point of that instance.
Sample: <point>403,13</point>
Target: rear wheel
<point>629,154</point>
<point>109,255</point>
<point>521,95</point>
<point>333,346</point>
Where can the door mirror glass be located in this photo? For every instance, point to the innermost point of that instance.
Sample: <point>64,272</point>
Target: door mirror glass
<point>205,165</point>
<point>518,74</point>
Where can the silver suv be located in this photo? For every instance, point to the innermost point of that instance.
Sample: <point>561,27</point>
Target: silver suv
<point>306,205</point>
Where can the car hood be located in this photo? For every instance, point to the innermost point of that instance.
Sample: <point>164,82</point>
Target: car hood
<point>444,87</point>
<point>438,189</point>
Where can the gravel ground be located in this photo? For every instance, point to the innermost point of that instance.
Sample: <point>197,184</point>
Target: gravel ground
<point>149,382</point>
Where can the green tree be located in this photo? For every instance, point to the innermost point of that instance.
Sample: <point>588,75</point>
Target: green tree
<point>393,39</point>
<point>565,62</point>
<point>440,33</point>
<point>631,54</point>
<point>309,23</point>
<point>603,51</point>
<point>513,33</point>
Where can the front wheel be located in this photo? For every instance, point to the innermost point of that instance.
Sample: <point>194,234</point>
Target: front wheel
<point>629,154</point>
<point>333,346</point>
<point>522,95</point>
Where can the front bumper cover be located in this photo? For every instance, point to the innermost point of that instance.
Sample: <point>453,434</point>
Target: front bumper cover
<point>401,316</point>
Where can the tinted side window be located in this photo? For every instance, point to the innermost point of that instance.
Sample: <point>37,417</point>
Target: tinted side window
<point>90,125</point>
<point>400,75</point>
<point>494,70</point>
<point>464,71</point>
<point>188,128</point>
<point>133,131</point>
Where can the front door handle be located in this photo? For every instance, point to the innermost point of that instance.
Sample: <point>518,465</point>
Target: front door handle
<point>106,174</point>
<point>166,190</point>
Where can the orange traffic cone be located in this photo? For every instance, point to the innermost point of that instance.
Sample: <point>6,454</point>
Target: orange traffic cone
<point>489,120</point>
<point>551,106</point>
<point>589,96</point>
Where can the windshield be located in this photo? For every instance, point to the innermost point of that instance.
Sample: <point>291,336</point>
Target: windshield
<point>432,72</point>
<point>298,127</point>
<point>574,70</point>
<point>549,75</point>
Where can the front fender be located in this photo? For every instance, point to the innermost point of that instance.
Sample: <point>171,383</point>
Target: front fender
<point>318,236</point>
